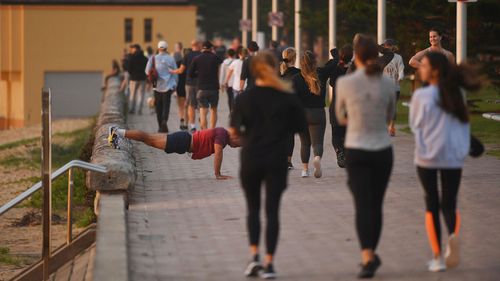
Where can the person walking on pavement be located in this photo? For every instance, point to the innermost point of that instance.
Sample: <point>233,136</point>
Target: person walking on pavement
<point>440,122</point>
<point>200,144</point>
<point>365,103</point>
<point>181,86</point>
<point>205,68</point>
<point>224,69</point>
<point>435,38</point>
<point>191,83</point>
<point>137,85</point>
<point>394,68</point>
<point>340,61</point>
<point>310,86</point>
<point>288,71</point>
<point>165,85</point>
<point>265,116</point>
<point>234,73</point>
<point>246,75</point>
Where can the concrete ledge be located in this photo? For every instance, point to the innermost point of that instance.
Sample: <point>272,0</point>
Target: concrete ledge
<point>111,262</point>
<point>120,163</point>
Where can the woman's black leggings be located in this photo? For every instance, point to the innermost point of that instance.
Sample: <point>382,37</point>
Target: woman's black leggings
<point>275,177</point>
<point>290,144</point>
<point>368,175</point>
<point>315,135</point>
<point>338,138</point>
<point>450,182</point>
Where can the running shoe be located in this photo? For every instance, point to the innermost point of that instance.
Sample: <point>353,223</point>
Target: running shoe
<point>341,159</point>
<point>113,137</point>
<point>193,130</point>
<point>253,267</point>
<point>290,166</point>
<point>436,265</point>
<point>268,272</point>
<point>317,167</point>
<point>305,174</point>
<point>368,270</point>
<point>452,255</point>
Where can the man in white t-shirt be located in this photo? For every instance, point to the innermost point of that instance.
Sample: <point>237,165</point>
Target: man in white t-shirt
<point>234,72</point>
<point>165,85</point>
<point>224,68</point>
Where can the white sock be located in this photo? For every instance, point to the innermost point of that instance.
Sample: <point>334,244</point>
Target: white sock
<point>120,132</point>
<point>192,126</point>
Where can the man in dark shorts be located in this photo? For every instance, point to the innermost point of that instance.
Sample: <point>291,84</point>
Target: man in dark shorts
<point>200,144</point>
<point>191,83</point>
<point>205,68</point>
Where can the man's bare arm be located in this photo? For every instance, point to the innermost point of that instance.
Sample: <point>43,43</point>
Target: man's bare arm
<point>218,162</point>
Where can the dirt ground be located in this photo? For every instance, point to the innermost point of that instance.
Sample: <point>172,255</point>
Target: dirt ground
<point>25,242</point>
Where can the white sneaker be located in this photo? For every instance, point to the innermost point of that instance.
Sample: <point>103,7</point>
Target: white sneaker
<point>436,265</point>
<point>305,174</point>
<point>452,255</point>
<point>317,167</point>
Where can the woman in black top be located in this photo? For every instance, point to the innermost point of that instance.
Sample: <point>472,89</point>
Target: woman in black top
<point>265,116</point>
<point>340,62</point>
<point>310,86</point>
<point>288,71</point>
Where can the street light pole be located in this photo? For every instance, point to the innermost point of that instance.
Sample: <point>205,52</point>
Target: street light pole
<point>461,31</point>
<point>274,28</point>
<point>332,23</point>
<point>381,21</point>
<point>297,30</point>
<point>254,20</point>
<point>244,17</point>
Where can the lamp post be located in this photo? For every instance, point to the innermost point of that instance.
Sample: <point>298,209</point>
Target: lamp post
<point>274,28</point>
<point>297,30</point>
<point>381,21</point>
<point>244,17</point>
<point>254,20</point>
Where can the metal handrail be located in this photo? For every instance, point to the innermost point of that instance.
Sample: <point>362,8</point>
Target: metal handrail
<point>72,164</point>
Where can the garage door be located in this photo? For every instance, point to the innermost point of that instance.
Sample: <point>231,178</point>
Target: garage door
<point>74,94</point>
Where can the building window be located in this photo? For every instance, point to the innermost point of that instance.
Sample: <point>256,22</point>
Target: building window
<point>148,30</point>
<point>128,30</point>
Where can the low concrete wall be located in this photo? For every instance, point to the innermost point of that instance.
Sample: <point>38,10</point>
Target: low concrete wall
<point>120,162</point>
<point>111,260</point>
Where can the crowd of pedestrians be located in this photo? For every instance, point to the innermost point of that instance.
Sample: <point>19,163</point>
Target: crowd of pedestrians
<point>271,101</point>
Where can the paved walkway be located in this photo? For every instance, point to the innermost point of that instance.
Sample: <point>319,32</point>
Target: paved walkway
<point>185,225</point>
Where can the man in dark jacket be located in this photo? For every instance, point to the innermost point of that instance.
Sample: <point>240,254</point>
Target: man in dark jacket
<point>205,68</point>
<point>136,66</point>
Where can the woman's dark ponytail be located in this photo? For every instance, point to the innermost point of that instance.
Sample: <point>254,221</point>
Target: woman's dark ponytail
<point>452,79</point>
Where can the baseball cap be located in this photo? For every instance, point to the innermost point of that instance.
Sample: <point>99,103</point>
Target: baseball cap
<point>162,45</point>
<point>390,42</point>
<point>253,46</point>
<point>207,45</point>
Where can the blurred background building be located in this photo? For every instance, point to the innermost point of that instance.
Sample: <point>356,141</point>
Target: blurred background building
<point>69,45</point>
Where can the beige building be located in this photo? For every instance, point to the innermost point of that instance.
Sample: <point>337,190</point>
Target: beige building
<point>69,45</point>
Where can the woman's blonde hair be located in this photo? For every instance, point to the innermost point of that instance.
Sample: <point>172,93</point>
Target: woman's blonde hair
<point>264,66</point>
<point>289,55</point>
<point>308,70</point>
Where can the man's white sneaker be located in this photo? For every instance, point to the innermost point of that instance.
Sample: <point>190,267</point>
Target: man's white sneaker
<point>436,265</point>
<point>305,174</point>
<point>317,167</point>
<point>452,256</point>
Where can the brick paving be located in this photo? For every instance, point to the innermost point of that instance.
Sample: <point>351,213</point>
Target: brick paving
<point>185,225</point>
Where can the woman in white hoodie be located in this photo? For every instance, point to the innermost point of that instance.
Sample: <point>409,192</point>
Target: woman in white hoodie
<point>440,122</point>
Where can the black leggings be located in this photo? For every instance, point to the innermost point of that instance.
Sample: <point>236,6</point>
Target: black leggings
<point>368,175</point>
<point>290,144</point>
<point>338,138</point>
<point>230,98</point>
<point>316,120</point>
<point>162,106</point>
<point>450,182</point>
<point>253,173</point>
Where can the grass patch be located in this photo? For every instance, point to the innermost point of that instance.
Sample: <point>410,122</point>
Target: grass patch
<point>66,146</point>
<point>7,258</point>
